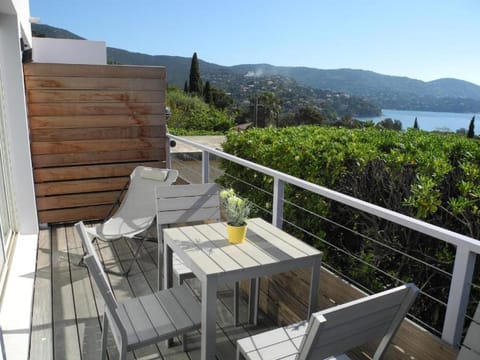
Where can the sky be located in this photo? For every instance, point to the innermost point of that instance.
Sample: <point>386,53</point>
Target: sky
<point>420,39</point>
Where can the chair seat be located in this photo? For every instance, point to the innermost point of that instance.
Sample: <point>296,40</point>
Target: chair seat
<point>158,316</point>
<point>182,272</point>
<point>286,345</point>
<point>116,228</point>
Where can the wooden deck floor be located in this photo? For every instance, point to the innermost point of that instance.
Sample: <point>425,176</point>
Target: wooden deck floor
<point>65,319</point>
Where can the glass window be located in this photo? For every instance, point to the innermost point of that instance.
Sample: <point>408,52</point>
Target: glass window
<point>6,220</point>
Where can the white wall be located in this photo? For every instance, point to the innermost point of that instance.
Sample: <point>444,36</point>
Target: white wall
<point>22,10</point>
<point>68,51</point>
<point>17,297</point>
<point>17,135</point>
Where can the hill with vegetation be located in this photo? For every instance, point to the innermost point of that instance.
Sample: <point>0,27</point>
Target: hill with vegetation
<point>381,91</point>
<point>388,92</point>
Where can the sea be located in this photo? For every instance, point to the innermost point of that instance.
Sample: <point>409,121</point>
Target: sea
<point>430,121</point>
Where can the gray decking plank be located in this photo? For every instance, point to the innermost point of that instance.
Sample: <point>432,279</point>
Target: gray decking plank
<point>88,322</point>
<point>41,341</point>
<point>64,321</point>
<point>125,288</point>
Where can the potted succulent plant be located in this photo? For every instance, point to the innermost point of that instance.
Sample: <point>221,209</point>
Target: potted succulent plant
<point>236,211</point>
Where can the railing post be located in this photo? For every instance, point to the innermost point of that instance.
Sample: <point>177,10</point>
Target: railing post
<point>205,166</point>
<point>458,295</point>
<point>278,197</point>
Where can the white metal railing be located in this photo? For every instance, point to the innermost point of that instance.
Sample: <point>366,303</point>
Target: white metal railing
<point>466,247</point>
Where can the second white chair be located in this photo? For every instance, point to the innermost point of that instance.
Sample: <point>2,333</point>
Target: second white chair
<point>136,212</point>
<point>331,332</point>
<point>183,204</point>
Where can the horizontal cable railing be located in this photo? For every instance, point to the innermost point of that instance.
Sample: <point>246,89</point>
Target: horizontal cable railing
<point>466,248</point>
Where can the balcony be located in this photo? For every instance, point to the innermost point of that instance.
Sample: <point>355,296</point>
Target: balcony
<point>65,322</point>
<point>65,319</point>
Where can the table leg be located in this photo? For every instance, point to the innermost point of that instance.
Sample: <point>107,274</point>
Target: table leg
<point>167,275</point>
<point>314,281</point>
<point>236,294</point>
<point>167,267</point>
<point>253,301</point>
<point>209,308</point>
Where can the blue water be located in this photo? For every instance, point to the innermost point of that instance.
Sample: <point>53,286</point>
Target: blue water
<point>427,120</point>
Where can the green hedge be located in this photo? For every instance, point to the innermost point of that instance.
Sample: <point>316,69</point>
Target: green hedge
<point>191,113</point>
<point>434,177</point>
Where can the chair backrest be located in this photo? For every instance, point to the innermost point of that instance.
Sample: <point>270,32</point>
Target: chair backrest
<point>98,274</point>
<point>334,331</point>
<point>139,200</point>
<point>95,268</point>
<point>137,209</point>
<point>187,203</point>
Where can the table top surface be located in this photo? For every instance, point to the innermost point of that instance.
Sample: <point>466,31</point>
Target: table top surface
<point>206,250</point>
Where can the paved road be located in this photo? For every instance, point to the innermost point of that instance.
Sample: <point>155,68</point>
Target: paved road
<point>211,141</point>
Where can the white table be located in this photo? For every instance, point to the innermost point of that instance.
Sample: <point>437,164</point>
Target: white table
<point>214,261</point>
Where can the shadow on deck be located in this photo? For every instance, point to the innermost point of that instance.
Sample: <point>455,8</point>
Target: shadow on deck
<point>66,319</point>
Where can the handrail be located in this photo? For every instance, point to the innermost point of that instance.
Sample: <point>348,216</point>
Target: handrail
<point>467,247</point>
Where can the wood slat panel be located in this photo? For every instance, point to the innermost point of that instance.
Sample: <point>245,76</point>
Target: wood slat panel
<point>98,157</point>
<point>90,122</point>
<point>76,200</point>
<point>87,172</point>
<point>86,83</point>
<point>72,187</point>
<point>63,147</point>
<point>74,109</point>
<point>73,214</point>
<point>94,121</point>
<point>41,135</point>
<point>66,96</point>
<point>115,71</point>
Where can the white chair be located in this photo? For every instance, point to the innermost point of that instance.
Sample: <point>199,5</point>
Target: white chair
<point>144,320</point>
<point>331,332</point>
<point>136,212</point>
<point>185,204</point>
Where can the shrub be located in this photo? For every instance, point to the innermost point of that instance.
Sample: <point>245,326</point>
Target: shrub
<point>434,177</point>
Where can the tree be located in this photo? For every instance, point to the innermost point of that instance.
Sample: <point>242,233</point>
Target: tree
<point>389,123</point>
<point>267,108</point>
<point>415,124</point>
<point>207,93</point>
<point>221,100</point>
<point>195,85</point>
<point>185,87</point>
<point>308,115</point>
<point>471,128</point>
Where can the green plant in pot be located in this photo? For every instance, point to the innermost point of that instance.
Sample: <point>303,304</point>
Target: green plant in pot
<point>236,211</point>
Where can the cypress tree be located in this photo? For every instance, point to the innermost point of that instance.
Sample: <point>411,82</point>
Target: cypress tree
<point>415,124</point>
<point>185,87</point>
<point>195,84</point>
<point>471,128</point>
<point>207,93</point>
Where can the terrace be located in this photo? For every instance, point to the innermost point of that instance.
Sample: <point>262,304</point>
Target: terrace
<point>84,134</point>
<point>67,311</point>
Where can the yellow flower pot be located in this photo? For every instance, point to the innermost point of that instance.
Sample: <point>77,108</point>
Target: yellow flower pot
<point>236,234</point>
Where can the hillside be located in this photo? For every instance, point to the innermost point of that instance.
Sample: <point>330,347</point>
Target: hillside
<point>384,91</point>
<point>389,92</point>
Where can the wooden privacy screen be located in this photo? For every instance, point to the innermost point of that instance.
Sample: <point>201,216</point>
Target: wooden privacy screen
<point>90,126</point>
